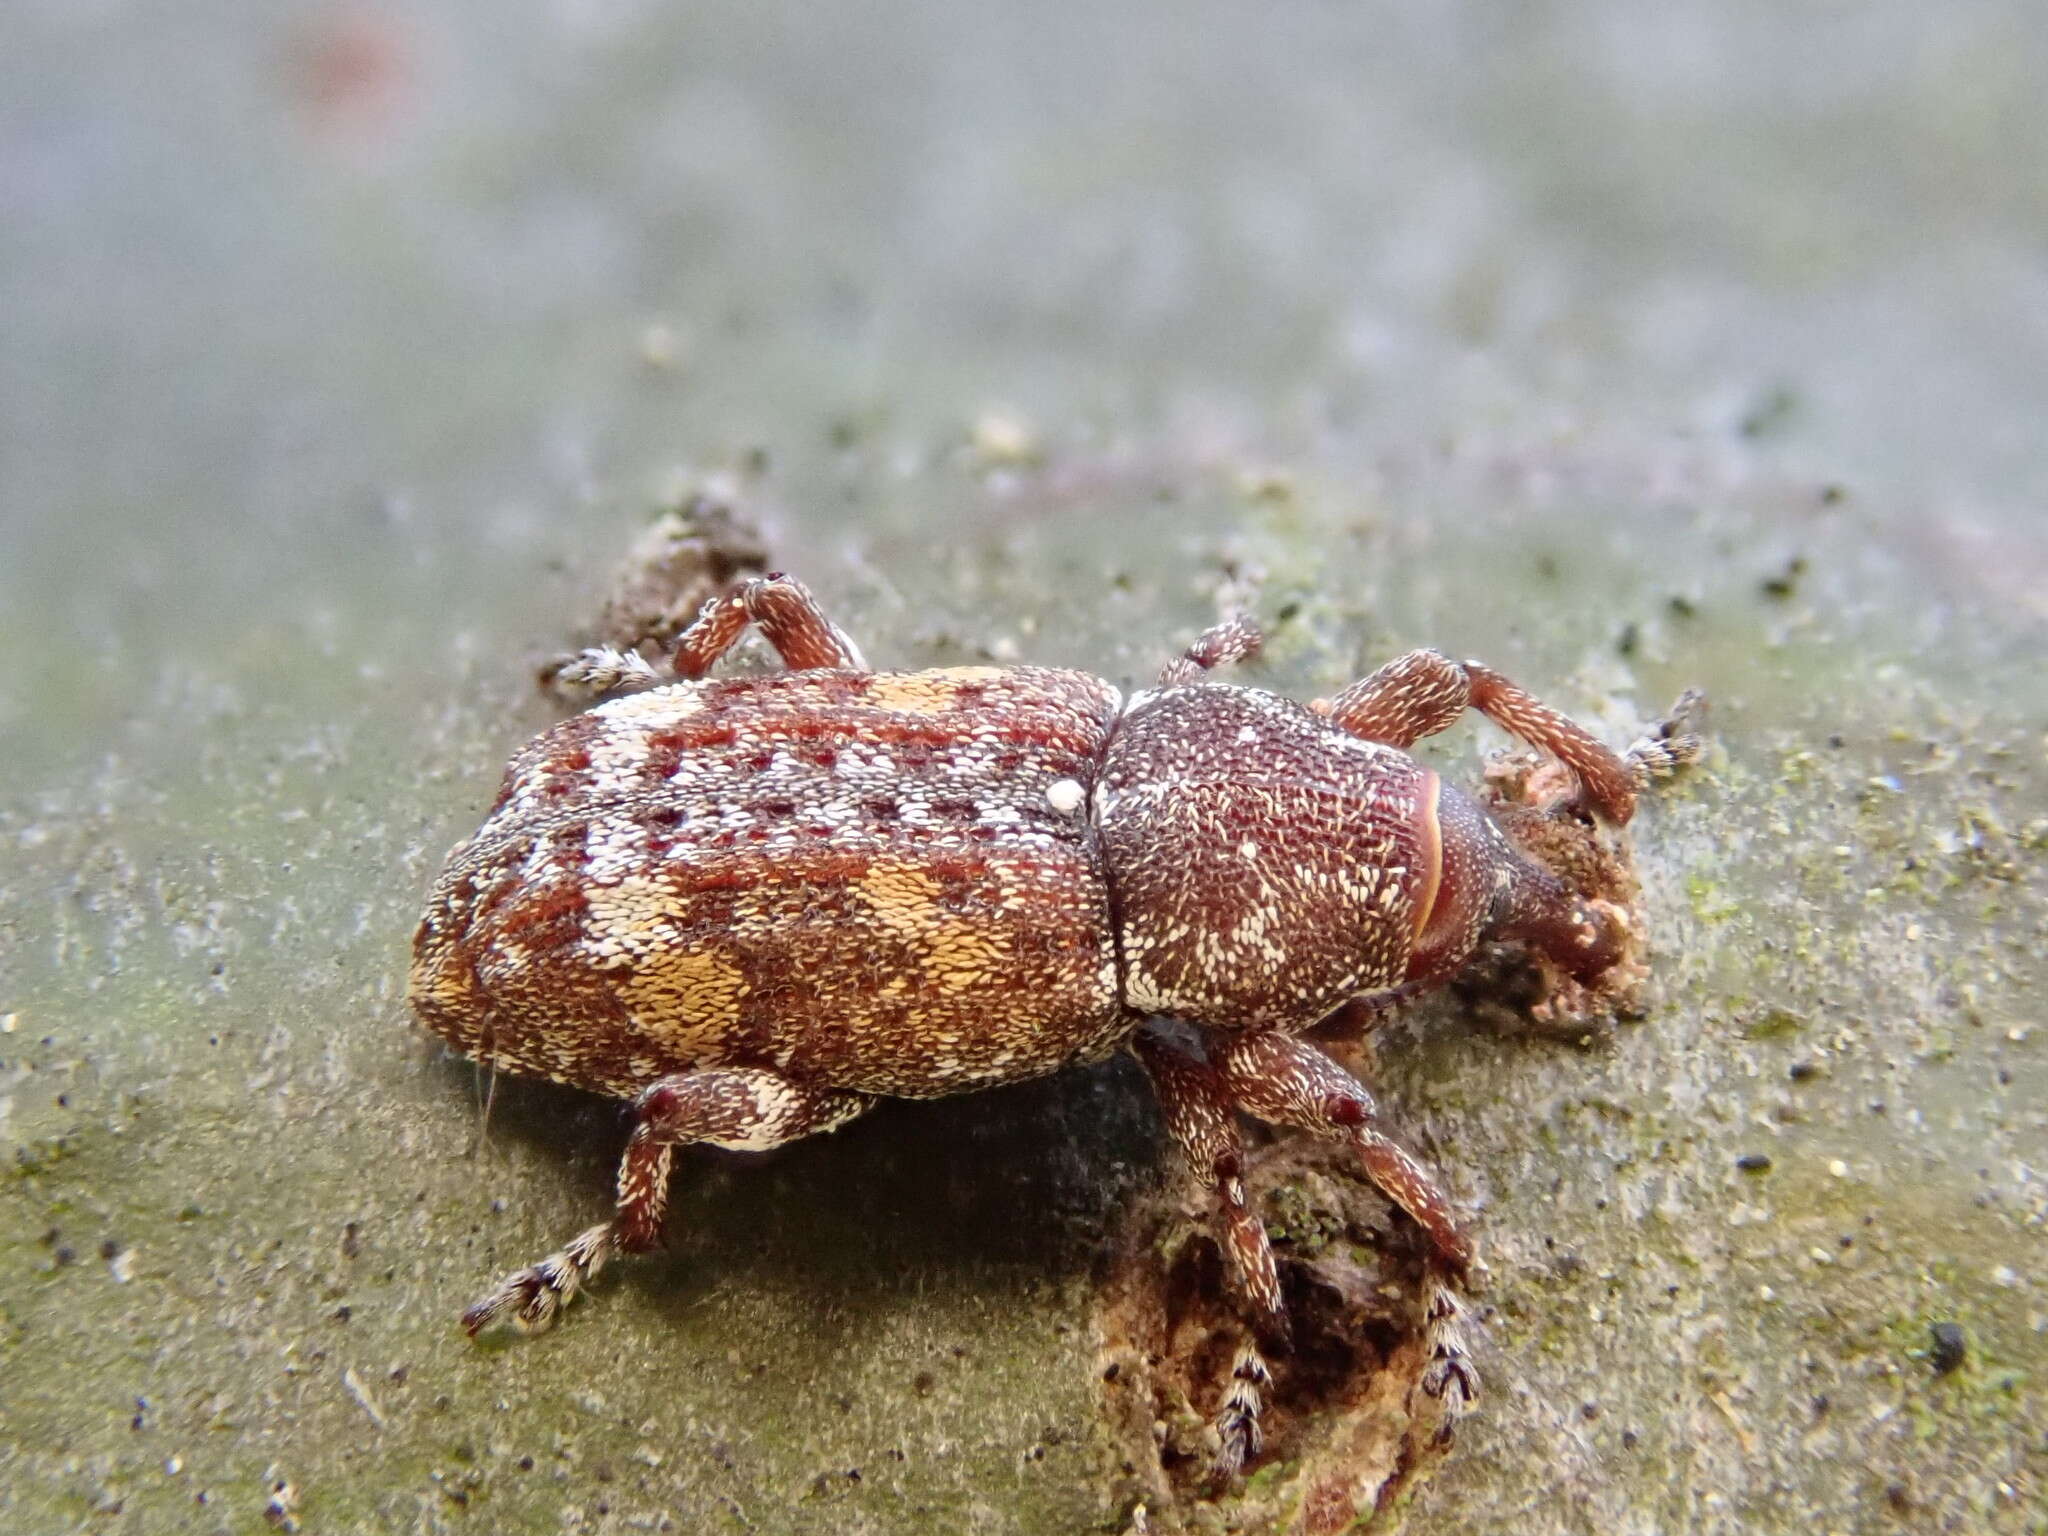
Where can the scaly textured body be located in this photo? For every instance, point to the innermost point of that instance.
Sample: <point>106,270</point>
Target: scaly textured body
<point>753,905</point>
<point>866,879</point>
<point>1270,866</point>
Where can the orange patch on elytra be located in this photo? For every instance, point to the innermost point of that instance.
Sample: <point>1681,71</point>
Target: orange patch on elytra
<point>904,897</point>
<point>681,996</point>
<point>926,693</point>
<point>955,952</point>
<point>964,955</point>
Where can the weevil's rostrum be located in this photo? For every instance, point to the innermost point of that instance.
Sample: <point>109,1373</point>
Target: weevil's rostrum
<point>753,905</point>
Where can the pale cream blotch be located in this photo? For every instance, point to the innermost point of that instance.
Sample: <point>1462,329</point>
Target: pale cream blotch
<point>925,693</point>
<point>618,754</point>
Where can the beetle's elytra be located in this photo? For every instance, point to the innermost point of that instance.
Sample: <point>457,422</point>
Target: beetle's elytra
<point>753,905</point>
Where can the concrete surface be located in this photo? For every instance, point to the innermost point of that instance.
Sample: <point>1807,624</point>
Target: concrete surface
<point>344,347</point>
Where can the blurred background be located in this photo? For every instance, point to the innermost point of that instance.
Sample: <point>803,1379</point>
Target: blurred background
<point>345,348</point>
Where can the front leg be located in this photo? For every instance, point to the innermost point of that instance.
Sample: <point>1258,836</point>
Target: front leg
<point>1281,1079</point>
<point>1203,1123</point>
<point>1424,692</point>
<point>746,1110</point>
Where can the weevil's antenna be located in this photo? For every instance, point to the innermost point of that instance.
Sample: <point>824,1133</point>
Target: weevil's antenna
<point>489,1058</point>
<point>490,1098</point>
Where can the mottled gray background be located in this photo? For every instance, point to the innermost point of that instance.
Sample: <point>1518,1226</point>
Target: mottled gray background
<point>344,347</point>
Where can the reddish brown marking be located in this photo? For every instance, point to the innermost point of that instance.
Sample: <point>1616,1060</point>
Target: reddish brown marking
<point>815,865</point>
<point>1065,731</point>
<point>1431,835</point>
<point>757,696</point>
<point>559,901</point>
<point>1345,1110</point>
<point>691,735</point>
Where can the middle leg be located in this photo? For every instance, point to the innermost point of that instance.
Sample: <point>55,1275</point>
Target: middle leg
<point>789,619</point>
<point>782,607</point>
<point>1233,640</point>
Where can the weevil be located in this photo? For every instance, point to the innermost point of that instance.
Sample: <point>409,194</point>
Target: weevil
<point>753,906</point>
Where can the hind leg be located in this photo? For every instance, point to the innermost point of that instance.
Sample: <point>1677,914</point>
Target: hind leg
<point>789,619</point>
<point>787,614</point>
<point>746,1110</point>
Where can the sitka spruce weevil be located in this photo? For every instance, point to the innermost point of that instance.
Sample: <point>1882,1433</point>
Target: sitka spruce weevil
<point>753,906</point>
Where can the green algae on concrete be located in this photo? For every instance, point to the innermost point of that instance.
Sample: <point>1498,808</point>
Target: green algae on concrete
<point>1627,357</point>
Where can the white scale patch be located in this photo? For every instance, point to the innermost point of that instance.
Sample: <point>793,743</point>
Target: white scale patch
<point>655,708</point>
<point>1065,795</point>
<point>614,848</point>
<point>617,756</point>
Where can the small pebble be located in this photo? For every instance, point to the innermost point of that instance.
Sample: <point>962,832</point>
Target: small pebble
<point>1951,1345</point>
<point>662,347</point>
<point>1753,1162</point>
<point>1003,438</point>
